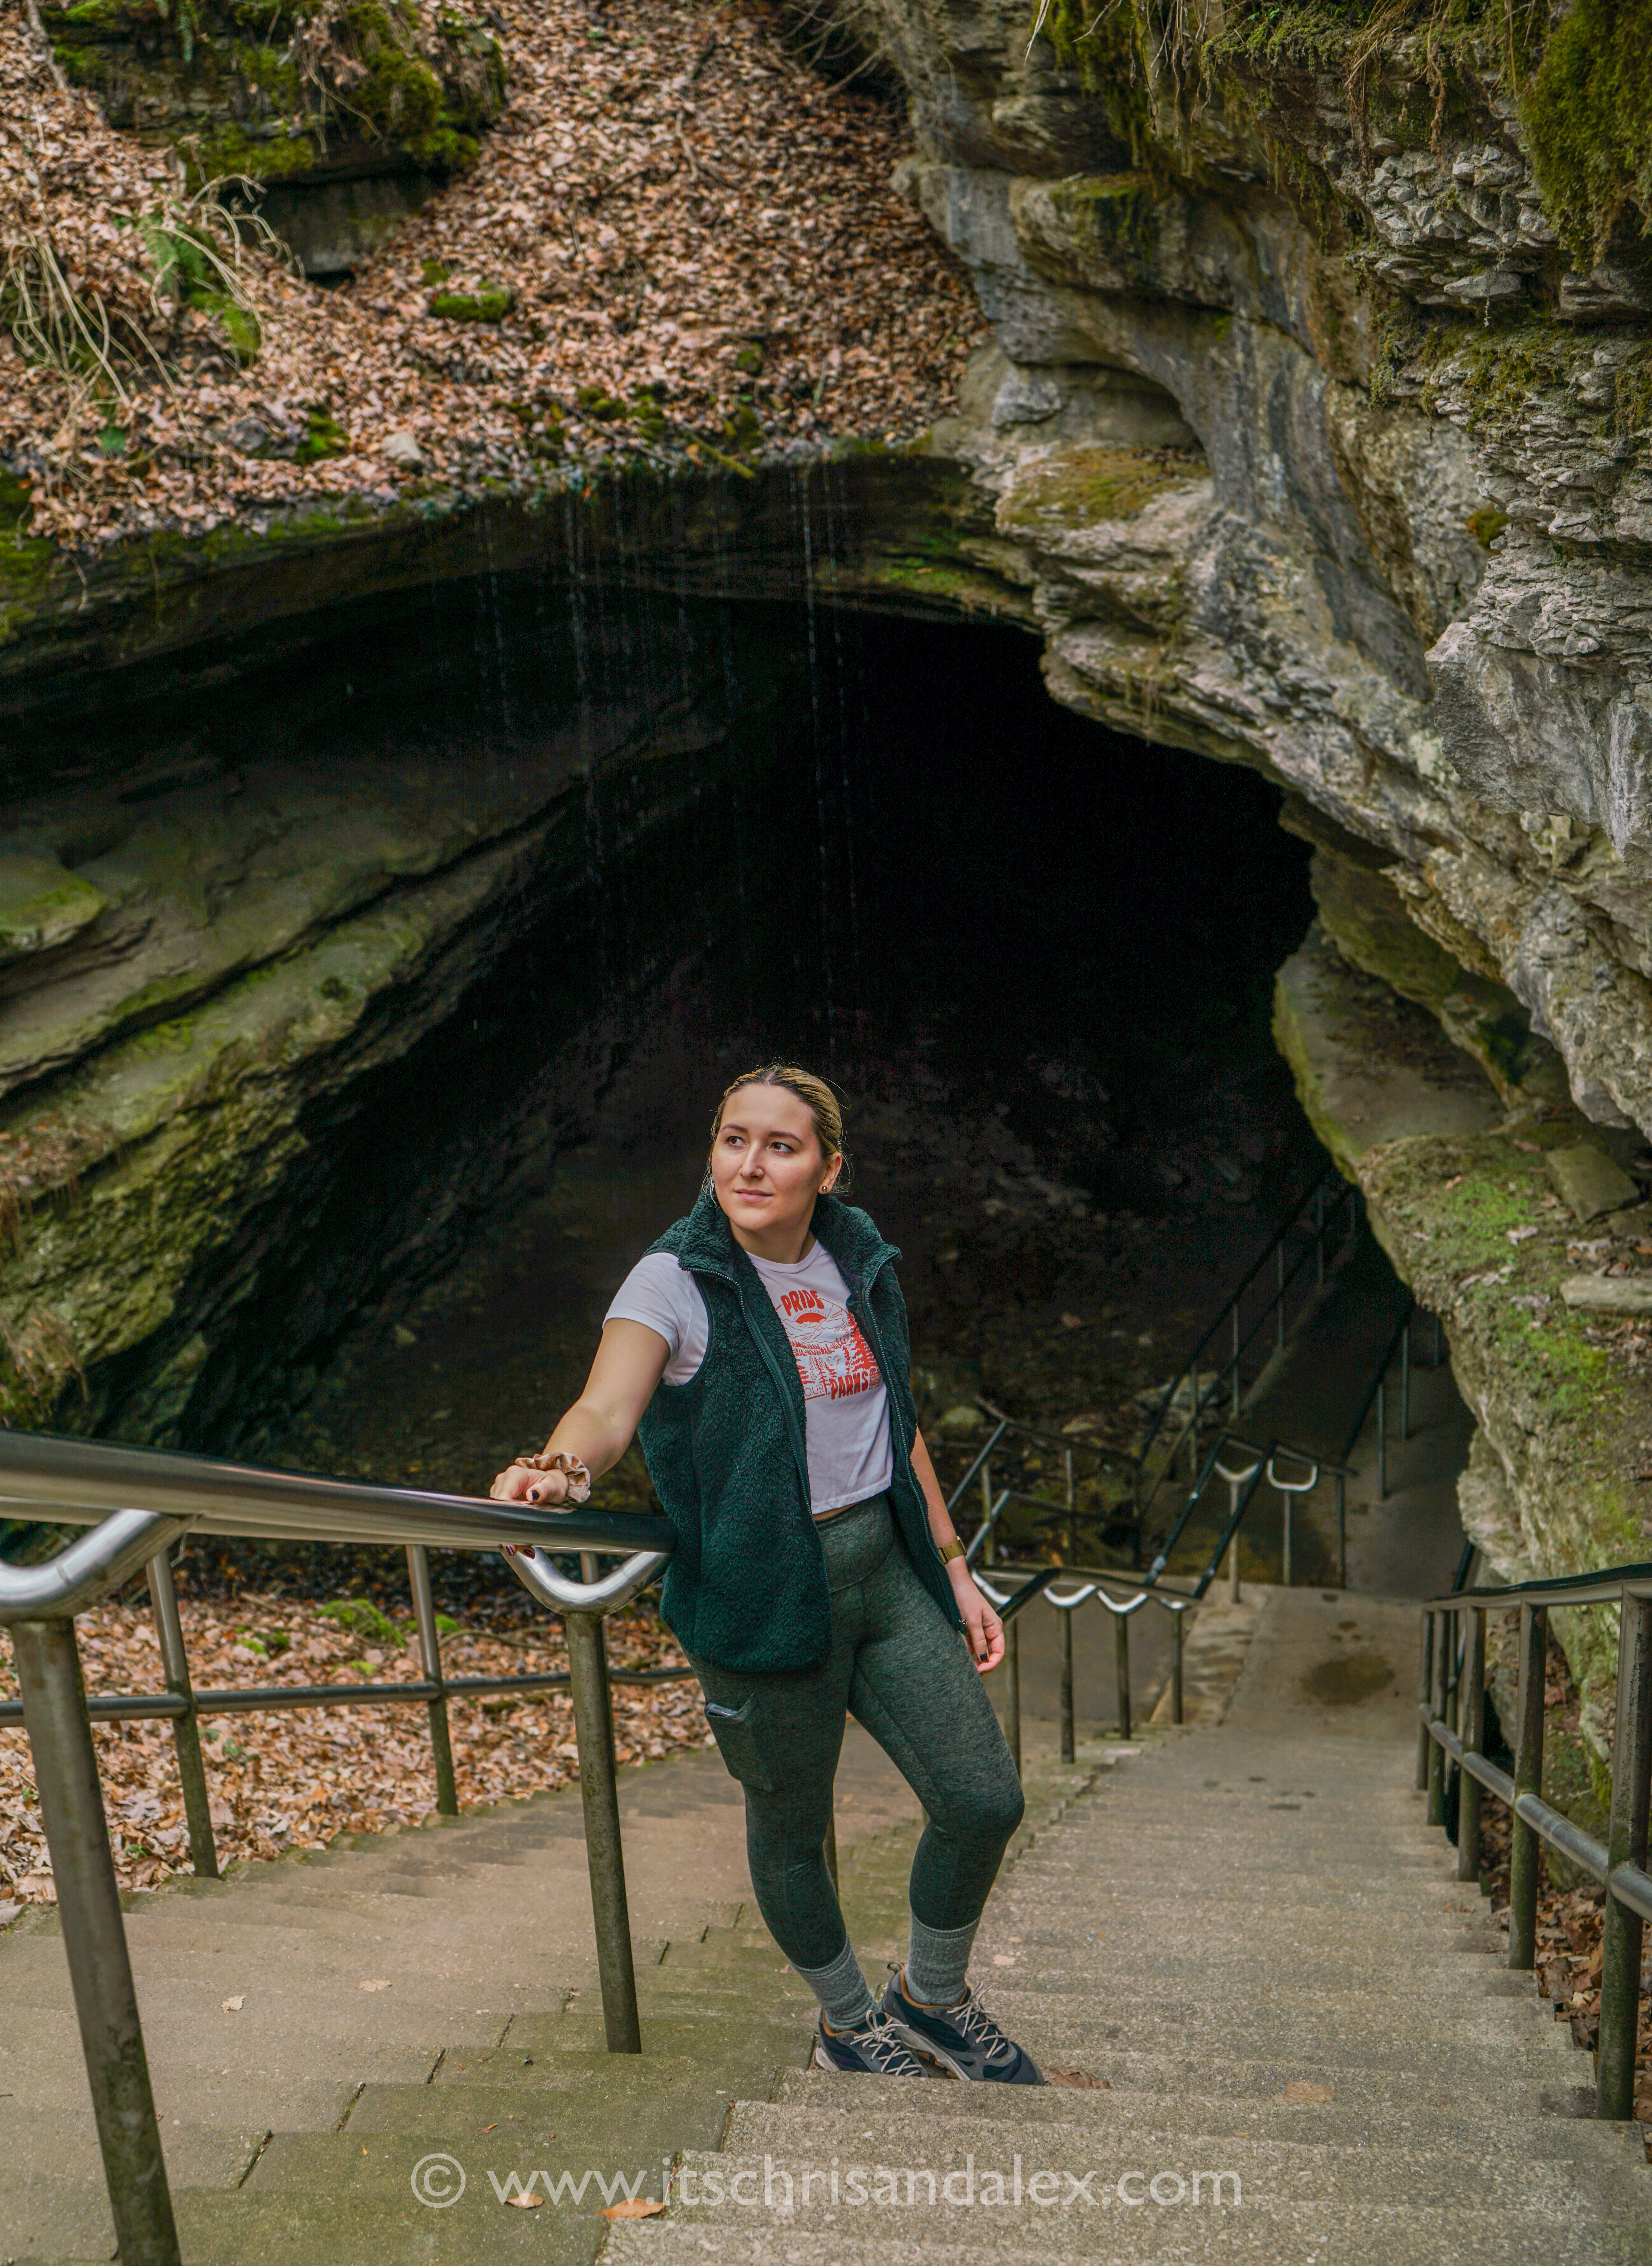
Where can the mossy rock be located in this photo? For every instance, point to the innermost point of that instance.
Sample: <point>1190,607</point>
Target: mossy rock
<point>1080,488</point>
<point>279,90</point>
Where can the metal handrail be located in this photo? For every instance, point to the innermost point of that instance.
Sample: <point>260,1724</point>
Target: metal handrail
<point>1225,1375</point>
<point>1038,1581</point>
<point>71,1481</point>
<point>1451,1731</point>
<point>1210,1384</point>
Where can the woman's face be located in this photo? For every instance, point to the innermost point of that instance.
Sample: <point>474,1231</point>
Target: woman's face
<point>767,1168</point>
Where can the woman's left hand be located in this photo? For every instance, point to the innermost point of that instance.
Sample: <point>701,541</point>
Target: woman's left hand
<point>981,1625</point>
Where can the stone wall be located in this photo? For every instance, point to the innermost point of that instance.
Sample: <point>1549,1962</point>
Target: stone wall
<point>298,989</point>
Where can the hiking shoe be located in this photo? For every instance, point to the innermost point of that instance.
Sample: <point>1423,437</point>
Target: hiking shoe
<point>873,2050</point>
<point>964,2038</point>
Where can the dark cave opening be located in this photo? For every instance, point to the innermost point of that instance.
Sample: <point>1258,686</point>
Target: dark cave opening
<point>1036,955</point>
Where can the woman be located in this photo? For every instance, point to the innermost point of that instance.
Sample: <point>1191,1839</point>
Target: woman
<point>760,1350</point>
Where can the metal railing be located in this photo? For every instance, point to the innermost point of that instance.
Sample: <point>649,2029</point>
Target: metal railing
<point>71,1482</point>
<point>994,1500</point>
<point>1211,1384</point>
<point>1212,1380</point>
<point>1037,1582</point>
<point>1452,1739</point>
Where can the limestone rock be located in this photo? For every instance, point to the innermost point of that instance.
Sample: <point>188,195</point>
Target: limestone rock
<point>1603,1294</point>
<point>1589,1182</point>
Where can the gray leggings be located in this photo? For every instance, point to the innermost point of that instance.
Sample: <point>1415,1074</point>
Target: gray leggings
<point>899,1668</point>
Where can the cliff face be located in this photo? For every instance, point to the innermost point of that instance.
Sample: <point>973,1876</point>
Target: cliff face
<point>293,1000</point>
<point>1317,428</point>
<point>1319,450</point>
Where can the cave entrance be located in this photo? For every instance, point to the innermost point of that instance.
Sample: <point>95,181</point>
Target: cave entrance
<point>1037,955</point>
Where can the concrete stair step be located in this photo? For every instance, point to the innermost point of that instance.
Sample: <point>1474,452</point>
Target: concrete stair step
<point>1430,2119</point>
<point>1367,2194</point>
<point>1468,1974</point>
<point>1334,2023</point>
<point>1350,2236</point>
<point>1254,2069</point>
<point>1285,2170</point>
<point>378,2222</point>
<point>703,2034</point>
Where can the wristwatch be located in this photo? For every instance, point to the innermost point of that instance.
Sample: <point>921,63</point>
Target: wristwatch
<point>951,1550</point>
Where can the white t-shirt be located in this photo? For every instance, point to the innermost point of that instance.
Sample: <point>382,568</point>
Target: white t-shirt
<point>846,1407</point>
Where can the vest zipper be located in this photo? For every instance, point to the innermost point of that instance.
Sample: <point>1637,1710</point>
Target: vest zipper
<point>799,1453</point>
<point>870,1323</point>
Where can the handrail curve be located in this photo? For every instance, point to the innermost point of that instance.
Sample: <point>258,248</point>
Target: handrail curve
<point>93,1565</point>
<point>559,1595</point>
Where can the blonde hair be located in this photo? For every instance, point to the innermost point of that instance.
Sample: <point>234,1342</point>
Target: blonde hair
<point>823,1104</point>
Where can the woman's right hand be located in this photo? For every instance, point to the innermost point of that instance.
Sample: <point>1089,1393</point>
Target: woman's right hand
<point>545,1490</point>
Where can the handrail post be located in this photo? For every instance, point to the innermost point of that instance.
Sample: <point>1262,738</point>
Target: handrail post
<point>986,1510</point>
<point>1176,1621</point>
<point>1342,1531</point>
<point>1013,1688</point>
<point>1235,1404</point>
<point>1472,1712</point>
<point>1404,1378</point>
<point>1627,1845</point>
<point>605,1852</point>
<point>1072,1506</point>
<point>1285,1567</point>
<point>430,1656</point>
<point>1524,1846</point>
<point>1436,1711</point>
<point>1067,1749</point>
<point>1382,1437</point>
<point>1425,1692</point>
<point>192,1773</point>
<point>1122,1670</point>
<point>94,1941</point>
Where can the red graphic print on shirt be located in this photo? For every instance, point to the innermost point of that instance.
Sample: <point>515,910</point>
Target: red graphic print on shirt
<point>833,1359</point>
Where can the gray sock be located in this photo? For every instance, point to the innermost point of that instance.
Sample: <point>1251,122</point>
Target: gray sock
<point>841,1989</point>
<point>937,1962</point>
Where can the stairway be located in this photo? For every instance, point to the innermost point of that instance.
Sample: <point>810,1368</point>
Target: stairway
<point>1246,1938</point>
<point>1242,1935</point>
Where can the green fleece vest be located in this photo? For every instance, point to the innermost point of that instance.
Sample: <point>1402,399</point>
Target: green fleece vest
<point>746,1588</point>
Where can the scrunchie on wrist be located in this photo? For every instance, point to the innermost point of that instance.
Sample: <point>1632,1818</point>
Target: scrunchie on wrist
<point>574,1471</point>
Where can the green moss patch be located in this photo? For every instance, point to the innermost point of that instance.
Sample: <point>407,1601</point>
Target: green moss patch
<point>491,303</point>
<point>1080,486</point>
<point>1588,116</point>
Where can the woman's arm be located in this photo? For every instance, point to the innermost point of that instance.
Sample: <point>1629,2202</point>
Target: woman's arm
<point>984,1629</point>
<point>598,1428</point>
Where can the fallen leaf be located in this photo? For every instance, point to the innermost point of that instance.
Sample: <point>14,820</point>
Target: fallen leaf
<point>633,2207</point>
<point>234,2005</point>
<point>1455,1182</point>
<point>490,2128</point>
<point>381,1983</point>
<point>1306,2088</point>
<point>524,2202</point>
<point>1080,2079</point>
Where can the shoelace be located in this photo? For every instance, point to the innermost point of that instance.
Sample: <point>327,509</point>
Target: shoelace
<point>979,2028</point>
<point>877,2040</point>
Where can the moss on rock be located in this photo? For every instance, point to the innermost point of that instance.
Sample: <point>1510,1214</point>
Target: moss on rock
<point>1076,488</point>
